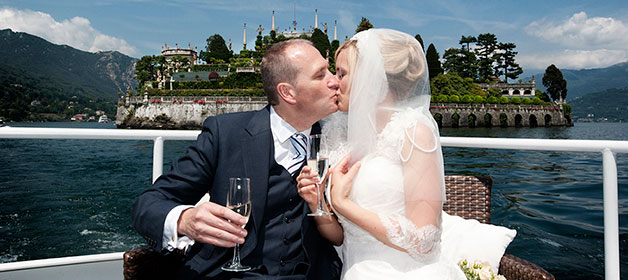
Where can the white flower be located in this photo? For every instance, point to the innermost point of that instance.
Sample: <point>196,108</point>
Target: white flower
<point>485,274</point>
<point>479,270</point>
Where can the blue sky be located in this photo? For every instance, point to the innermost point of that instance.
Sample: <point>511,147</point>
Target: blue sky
<point>573,34</point>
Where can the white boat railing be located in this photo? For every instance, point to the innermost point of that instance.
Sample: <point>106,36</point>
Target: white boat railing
<point>607,148</point>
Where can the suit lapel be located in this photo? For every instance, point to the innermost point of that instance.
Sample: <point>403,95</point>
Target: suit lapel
<point>256,147</point>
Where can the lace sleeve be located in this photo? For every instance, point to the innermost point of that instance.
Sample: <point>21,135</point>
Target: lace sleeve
<point>422,244</point>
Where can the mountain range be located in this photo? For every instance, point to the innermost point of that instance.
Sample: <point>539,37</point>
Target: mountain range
<point>608,105</point>
<point>95,75</point>
<point>581,82</point>
<point>41,81</point>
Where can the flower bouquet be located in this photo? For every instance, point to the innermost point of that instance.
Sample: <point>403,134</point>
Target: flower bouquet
<point>479,270</point>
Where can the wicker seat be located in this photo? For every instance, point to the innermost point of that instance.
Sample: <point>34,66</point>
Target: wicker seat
<point>470,197</point>
<point>467,196</point>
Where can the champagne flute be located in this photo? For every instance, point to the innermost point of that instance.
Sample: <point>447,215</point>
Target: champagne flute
<point>239,200</point>
<point>317,161</point>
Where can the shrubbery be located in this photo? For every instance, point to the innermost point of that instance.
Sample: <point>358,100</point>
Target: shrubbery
<point>207,92</point>
<point>210,67</point>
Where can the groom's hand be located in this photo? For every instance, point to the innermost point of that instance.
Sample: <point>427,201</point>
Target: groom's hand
<point>212,224</point>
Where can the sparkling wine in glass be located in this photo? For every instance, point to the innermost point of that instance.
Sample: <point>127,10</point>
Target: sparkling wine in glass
<point>317,161</point>
<point>239,200</point>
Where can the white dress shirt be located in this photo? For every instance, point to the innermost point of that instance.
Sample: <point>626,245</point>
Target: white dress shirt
<point>284,152</point>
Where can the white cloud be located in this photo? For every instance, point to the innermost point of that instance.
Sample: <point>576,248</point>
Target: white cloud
<point>574,59</point>
<point>76,32</point>
<point>582,32</point>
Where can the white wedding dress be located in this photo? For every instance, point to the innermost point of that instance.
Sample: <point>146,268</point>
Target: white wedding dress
<point>378,187</point>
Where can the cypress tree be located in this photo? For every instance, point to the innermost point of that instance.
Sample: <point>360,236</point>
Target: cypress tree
<point>555,83</point>
<point>321,42</point>
<point>418,38</point>
<point>433,62</point>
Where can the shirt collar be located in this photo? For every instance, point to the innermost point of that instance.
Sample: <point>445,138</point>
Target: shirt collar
<point>281,129</point>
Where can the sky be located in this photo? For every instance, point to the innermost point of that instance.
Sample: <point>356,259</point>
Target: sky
<point>574,34</point>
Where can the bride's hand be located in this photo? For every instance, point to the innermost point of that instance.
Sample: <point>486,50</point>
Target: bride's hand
<point>342,182</point>
<point>306,186</point>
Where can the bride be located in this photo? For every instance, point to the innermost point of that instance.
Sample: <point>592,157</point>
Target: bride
<point>387,186</point>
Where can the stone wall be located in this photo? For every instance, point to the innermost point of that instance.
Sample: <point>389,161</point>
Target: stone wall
<point>494,115</point>
<point>179,112</point>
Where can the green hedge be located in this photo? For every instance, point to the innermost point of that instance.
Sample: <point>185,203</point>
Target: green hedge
<point>232,81</point>
<point>210,67</point>
<point>207,92</point>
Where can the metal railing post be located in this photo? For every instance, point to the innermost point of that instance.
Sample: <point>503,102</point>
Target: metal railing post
<point>158,157</point>
<point>611,216</point>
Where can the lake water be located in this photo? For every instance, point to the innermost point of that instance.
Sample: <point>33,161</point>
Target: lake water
<point>73,197</point>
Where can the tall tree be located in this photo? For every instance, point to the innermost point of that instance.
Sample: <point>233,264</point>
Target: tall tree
<point>320,41</point>
<point>486,45</point>
<point>418,38</point>
<point>216,48</point>
<point>467,40</point>
<point>461,61</point>
<point>144,70</point>
<point>555,83</point>
<point>433,62</point>
<point>365,24</point>
<point>507,65</point>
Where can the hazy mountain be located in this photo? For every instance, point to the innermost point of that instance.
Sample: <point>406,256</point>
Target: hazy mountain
<point>581,82</point>
<point>610,104</point>
<point>92,75</point>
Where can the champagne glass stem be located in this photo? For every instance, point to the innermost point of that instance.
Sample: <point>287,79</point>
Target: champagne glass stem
<point>320,197</point>
<point>236,254</point>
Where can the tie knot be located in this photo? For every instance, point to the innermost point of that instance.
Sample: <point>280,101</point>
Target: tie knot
<point>299,137</point>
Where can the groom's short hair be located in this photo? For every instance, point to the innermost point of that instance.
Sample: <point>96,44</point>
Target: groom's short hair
<point>277,68</point>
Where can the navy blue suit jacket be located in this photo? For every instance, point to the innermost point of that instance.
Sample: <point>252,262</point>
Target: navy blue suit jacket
<point>230,145</point>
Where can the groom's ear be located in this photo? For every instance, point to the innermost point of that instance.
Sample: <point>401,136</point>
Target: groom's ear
<point>286,92</point>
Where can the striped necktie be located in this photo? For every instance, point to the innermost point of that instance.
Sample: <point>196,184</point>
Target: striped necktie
<point>298,142</point>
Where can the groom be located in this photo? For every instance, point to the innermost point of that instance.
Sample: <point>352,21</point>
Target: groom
<point>279,241</point>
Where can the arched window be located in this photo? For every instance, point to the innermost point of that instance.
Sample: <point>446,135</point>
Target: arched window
<point>533,122</point>
<point>438,117</point>
<point>548,120</point>
<point>518,121</point>
<point>503,120</point>
<point>455,120</point>
<point>472,120</point>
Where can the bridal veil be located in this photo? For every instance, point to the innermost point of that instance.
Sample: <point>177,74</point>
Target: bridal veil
<point>390,82</point>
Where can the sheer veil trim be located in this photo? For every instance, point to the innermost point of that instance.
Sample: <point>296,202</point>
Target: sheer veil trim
<point>422,244</point>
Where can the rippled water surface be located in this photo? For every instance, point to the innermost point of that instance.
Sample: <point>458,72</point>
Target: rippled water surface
<point>73,197</point>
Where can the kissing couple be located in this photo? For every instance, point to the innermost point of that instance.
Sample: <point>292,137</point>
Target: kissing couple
<point>386,186</point>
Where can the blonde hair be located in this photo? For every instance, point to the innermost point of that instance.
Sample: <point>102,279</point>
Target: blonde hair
<point>404,64</point>
<point>351,48</point>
